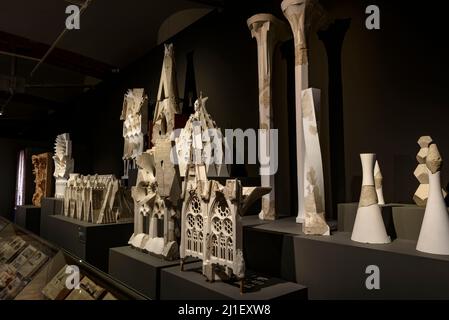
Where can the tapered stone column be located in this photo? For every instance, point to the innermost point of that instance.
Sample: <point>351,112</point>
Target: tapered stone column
<point>295,12</point>
<point>268,31</point>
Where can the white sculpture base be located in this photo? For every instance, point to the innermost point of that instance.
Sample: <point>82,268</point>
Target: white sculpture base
<point>138,241</point>
<point>60,187</point>
<point>434,234</point>
<point>156,246</point>
<point>369,226</point>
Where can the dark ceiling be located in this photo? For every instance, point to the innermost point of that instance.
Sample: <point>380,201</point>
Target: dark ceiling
<point>112,34</point>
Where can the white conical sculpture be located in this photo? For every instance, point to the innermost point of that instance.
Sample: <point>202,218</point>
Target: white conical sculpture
<point>434,235</point>
<point>378,178</point>
<point>369,226</point>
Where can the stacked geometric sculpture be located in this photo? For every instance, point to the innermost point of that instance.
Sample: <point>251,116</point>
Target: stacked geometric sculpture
<point>134,115</point>
<point>211,228</point>
<point>97,199</point>
<point>309,163</point>
<point>421,172</point>
<point>42,169</point>
<point>64,164</point>
<point>158,188</point>
<point>434,234</point>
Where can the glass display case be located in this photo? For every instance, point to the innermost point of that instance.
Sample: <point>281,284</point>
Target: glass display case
<point>34,269</point>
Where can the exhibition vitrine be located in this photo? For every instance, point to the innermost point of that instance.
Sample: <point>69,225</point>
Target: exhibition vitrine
<point>165,201</point>
<point>33,269</point>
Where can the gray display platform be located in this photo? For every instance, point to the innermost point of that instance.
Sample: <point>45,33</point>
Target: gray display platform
<point>282,225</point>
<point>49,207</point>
<point>253,220</point>
<point>268,247</point>
<point>408,221</point>
<point>29,217</point>
<point>138,270</point>
<point>335,268</point>
<point>348,211</point>
<point>191,284</point>
<point>88,241</point>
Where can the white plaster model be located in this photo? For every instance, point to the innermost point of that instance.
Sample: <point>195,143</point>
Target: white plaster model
<point>421,173</point>
<point>134,116</point>
<point>42,169</point>
<point>64,164</point>
<point>157,202</point>
<point>96,199</point>
<point>378,184</point>
<point>211,228</point>
<point>158,188</point>
<point>314,201</point>
<point>369,226</point>
<point>268,31</point>
<point>167,104</point>
<point>202,131</point>
<point>434,234</point>
<point>144,195</point>
<point>295,11</point>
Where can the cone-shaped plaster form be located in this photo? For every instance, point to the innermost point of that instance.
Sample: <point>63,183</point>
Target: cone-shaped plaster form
<point>434,235</point>
<point>369,226</point>
<point>378,184</point>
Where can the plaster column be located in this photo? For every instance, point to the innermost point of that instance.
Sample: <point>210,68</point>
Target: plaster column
<point>268,31</point>
<point>295,11</point>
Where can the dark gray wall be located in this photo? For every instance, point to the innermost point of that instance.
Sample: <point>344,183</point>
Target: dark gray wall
<point>394,90</point>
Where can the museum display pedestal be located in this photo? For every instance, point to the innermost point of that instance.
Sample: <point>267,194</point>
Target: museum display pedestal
<point>348,211</point>
<point>268,247</point>
<point>88,241</point>
<point>402,221</point>
<point>49,207</point>
<point>138,270</point>
<point>403,271</point>
<point>191,284</point>
<point>408,221</point>
<point>29,217</point>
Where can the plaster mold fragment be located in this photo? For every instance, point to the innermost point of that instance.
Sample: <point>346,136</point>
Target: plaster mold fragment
<point>64,163</point>
<point>97,199</point>
<point>42,169</point>
<point>378,180</point>
<point>135,117</point>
